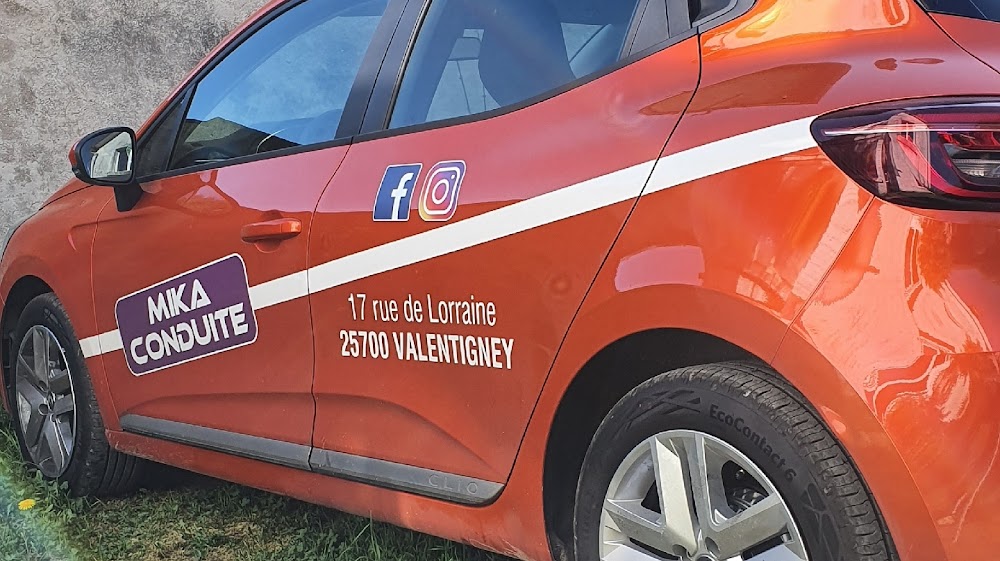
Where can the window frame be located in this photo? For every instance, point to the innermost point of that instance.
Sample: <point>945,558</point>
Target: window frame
<point>354,109</point>
<point>645,37</point>
<point>162,120</point>
<point>968,9</point>
<point>735,9</point>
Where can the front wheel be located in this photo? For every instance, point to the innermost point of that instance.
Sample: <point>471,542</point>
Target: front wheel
<point>57,421</point>
<point>717,463</point>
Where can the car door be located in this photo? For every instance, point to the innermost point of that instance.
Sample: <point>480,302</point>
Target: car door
<point>463,230</point>
<point>201,288</point>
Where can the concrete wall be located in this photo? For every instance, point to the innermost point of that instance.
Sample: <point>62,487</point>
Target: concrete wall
<point>69,67</point>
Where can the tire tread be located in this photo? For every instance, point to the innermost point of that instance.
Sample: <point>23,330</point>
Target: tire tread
<point>97,470</point>
<point>789,412</point>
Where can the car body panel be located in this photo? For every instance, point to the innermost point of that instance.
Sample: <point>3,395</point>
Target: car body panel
<point>920,289</point>
<point>57,256</point>
<point>473,418</point>
<point>195,219</point>
<point>883,51</point>
<point>895,53</point>
<point>974,35</point>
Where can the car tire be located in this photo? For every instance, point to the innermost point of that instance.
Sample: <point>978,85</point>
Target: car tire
<point>766,468</point>
<point>56,417</point>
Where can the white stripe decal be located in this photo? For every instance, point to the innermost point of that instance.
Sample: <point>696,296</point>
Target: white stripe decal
<point>581,198</point>
<point>90,347</point>
<point>279,291</point>
<point>732,153</point>
<point>519,217</point>
<point>110,341</point>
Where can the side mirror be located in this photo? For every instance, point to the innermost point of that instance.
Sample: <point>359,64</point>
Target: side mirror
<point>107,158</point>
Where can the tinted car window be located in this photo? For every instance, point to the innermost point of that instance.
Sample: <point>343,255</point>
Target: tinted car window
<point>473,56</point>
<point>285,86</point>
<point>157,144</point>
<point>981,9</point>
<point>701,9</point>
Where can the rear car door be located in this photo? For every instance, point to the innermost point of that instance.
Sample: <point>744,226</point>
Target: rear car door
<point>201,288</point>
<point>465,226</point>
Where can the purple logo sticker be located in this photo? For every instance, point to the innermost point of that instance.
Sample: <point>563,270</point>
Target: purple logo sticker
<point>193,315</point>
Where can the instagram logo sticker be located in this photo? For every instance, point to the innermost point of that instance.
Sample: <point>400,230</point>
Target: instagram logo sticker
<point>439,201</point>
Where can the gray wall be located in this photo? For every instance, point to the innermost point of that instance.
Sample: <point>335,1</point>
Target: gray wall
<point>69,67</point>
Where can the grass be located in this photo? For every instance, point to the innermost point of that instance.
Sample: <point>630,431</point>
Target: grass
<point>193,518</point>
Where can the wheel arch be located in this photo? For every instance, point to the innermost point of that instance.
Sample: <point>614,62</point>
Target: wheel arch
<point>592,393</point>
<point>23,291</point>
<point>593,390</point>
<point>52,251</point>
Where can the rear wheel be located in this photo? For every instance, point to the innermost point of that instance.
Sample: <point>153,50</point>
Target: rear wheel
<point>58,424</point>
<point>717,463</point>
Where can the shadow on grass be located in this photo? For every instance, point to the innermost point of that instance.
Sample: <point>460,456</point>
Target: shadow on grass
<point>164,479</point>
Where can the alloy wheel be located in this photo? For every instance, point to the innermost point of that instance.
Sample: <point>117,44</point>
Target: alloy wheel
<point>46,401</point>
<point>689,496</point>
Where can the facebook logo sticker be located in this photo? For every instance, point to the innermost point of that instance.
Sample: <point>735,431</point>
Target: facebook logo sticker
<point>396,192</point>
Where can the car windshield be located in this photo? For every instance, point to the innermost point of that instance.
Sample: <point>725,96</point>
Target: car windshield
<point>981,9</point>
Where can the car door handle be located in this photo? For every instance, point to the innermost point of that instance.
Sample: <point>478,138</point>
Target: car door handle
<point>272,230</point>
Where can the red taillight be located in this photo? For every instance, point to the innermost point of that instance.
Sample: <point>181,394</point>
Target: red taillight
<point>934,153</point>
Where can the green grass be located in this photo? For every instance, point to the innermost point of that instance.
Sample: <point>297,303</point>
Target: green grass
<point>193,518</point>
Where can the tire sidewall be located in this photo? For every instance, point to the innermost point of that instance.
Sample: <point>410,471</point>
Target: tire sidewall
<point>46,311</point>
<point>678,402</point>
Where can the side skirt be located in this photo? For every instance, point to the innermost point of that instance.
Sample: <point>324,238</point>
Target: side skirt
<point>370,471</point>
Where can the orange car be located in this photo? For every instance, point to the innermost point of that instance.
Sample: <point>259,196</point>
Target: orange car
<point>695,280</point>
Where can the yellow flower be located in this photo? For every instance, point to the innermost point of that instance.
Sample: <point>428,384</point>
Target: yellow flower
<point>26,504</point>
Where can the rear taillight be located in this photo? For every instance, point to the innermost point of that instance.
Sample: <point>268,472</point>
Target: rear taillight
<point>942,153</point>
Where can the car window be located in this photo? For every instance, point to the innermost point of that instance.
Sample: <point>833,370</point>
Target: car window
<point>473,56</point>
<point>980,9</point>
<point>285,86</point>
<point>157,143</point>
<point>701,9</point>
